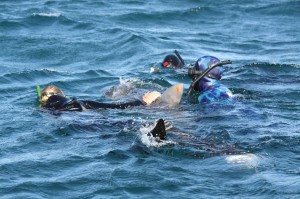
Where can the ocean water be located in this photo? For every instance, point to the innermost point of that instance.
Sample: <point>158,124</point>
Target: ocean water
<point>104,51</point>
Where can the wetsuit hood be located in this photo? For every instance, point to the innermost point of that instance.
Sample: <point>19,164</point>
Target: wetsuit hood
<point>204,62</point>
<point>172,61</point>
<point>213,77</point>
<point>56,102</point>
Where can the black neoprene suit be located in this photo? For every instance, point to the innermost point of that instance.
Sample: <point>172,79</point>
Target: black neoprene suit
<point>58,102</point>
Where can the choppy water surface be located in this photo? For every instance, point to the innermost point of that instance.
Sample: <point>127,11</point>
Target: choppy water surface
<point>87,47</point>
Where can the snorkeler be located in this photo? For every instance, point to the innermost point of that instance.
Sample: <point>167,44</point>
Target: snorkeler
<point>53,98</point>
<point>206,74</point>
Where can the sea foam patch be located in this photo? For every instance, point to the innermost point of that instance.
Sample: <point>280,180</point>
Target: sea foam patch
<point>121,90</point>
<point>247,159</point>
<point>55,14</point>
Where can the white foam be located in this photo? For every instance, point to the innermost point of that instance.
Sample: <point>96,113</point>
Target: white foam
<point>117,92</point>
<point>154,69</point>
<point>238,96</point>
<point>55,14</point>
<point>53,70</point>
<point>248,159</point>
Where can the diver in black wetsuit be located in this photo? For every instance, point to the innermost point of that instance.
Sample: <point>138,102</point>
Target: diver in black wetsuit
<point>53,98</point>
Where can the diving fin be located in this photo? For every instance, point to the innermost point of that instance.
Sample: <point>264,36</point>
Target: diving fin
<point>159,130</point>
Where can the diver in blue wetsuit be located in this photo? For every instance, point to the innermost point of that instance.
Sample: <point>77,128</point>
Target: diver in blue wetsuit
<point>210,87</point>
<point>54,99</point>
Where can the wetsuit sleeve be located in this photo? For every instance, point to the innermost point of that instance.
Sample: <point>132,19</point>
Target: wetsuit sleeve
<point>62,103</point>
<point>98,105</point>
<point>73,105</point>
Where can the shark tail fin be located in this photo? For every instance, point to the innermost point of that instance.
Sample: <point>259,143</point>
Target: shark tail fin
<point>159,130</point>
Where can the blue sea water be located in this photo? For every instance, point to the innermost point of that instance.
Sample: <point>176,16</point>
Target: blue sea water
<point>104,51</point>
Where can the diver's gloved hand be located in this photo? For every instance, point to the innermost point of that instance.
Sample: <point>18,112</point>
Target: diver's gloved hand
<point>151,97</point>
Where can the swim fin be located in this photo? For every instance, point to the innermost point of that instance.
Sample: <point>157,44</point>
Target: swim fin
<point>159,130</point>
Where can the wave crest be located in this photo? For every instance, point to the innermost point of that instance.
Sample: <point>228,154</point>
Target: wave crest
<point>55,14</point>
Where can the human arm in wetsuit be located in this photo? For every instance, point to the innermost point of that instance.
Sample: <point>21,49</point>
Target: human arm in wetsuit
<point>98,105</point>
<point>58,102</point>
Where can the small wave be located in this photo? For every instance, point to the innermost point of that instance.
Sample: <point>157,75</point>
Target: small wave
<point>268,73</point>
<point>273,65</point>
<point>46,71</point>
<point>220,137</point>
<point>47,19</point>
<point>139,16</point>
<point>238,97</point>
<point>10,25</point>
<point>203,9</point>
<point>278,141</point>
<point>30,77</point>
<point>289,8</point>
<point>55,14</point>
<point>116,155</point>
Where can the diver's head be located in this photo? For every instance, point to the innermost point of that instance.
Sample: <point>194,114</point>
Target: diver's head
<point>206,61</point>
<point>172,61</point>
<point>49,91</point>
<point>56,102</point>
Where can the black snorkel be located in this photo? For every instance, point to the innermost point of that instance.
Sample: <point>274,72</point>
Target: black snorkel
<point>193,72</point>
<point>179,57</point>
